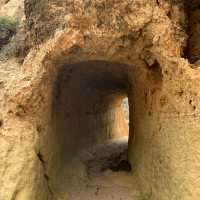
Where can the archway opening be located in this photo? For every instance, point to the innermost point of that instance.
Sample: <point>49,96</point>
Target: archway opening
<point>90,124</point>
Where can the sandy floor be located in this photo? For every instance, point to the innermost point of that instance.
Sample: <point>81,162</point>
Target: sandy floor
<point>97,180</point>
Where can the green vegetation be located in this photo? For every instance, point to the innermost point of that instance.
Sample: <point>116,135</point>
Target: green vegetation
<point>8,24</point>
<point>8,28</point>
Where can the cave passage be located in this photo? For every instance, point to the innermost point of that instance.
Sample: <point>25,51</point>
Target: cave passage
<point>89,104</point>
<point>91,119</point>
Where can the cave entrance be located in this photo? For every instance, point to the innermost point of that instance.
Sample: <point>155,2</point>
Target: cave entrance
<point>90,104</point>
<point>91,118</point>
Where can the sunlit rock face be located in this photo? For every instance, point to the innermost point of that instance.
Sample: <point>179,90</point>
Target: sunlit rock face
<point>84,58</point>
<point>12,9</point>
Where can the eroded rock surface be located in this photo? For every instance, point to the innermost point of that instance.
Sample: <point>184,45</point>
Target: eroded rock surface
<point>82,58</point>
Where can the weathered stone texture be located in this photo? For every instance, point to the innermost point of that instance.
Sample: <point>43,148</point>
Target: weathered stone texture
<point>139,46</point>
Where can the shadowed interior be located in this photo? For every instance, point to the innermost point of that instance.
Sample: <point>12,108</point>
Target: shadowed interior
<point>87,107</point>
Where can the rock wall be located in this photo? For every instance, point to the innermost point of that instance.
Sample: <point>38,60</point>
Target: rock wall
<point>12,9</point>
<point>145,42</point>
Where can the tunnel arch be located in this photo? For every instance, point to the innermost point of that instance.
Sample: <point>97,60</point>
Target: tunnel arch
<point>91,92</point>
<point>56,56</point>
<point>72,127</point>
<point>85,110</point>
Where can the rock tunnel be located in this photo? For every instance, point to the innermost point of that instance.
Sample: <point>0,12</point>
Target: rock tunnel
<point>88,111</point>
<point>88,149</point>
<point>87,103</point>
<point>85,146</point>
<point>61,122</point>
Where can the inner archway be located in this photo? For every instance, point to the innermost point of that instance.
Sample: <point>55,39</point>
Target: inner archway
<point>90,127</point>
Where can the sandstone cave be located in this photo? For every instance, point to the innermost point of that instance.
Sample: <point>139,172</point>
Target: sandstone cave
<point>66,71</point>
<point>88,102</point>
<point>90,122</point>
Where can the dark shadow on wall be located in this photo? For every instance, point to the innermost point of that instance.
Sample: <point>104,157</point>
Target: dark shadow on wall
<point>192,50</point>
